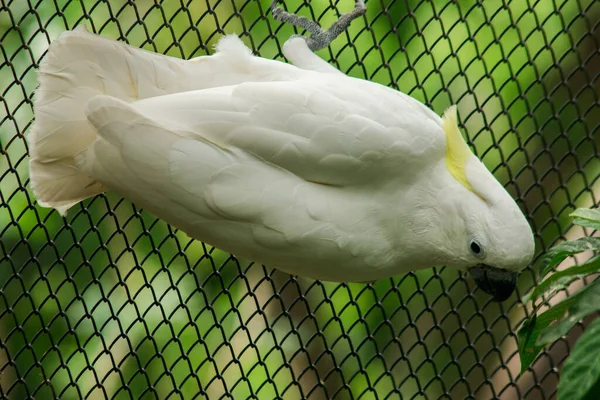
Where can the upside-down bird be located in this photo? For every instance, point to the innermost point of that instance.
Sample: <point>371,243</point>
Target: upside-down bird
<point>293,165</point>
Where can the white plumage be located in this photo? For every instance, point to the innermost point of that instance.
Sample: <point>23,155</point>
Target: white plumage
<point>298,167</point>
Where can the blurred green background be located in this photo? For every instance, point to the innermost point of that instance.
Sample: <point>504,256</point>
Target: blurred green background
<point>109,302</point>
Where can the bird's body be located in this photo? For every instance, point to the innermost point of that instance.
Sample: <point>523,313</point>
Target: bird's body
<point>298,167</point>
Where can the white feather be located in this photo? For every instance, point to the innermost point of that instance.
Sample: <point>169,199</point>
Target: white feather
<point>295,166</point>
<point>80,65</point>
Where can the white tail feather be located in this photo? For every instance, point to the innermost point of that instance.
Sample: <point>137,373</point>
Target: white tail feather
<point>79,66</point>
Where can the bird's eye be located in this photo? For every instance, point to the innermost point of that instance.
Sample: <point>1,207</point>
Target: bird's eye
<point>476,248</point>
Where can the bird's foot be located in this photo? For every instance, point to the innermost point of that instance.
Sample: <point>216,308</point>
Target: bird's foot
<point>319,37</point>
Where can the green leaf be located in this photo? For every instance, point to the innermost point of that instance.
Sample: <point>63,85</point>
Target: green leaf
<point>581,304</point>
<point>587,223</point>
<point>590,214</point>
<point>527,296</point>
<point>581,371</point>
<point>529,332</point>
<point>558,253</point>
<point>587,217</point>
<point>592,394</point>
<point>561,279</point>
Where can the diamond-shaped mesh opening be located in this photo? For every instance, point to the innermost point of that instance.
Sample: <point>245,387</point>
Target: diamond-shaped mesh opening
<point>112,303</point>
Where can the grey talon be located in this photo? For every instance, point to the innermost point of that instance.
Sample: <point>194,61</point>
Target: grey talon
<point>319,37</point>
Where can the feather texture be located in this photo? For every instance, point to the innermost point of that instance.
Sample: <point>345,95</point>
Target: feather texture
<point>80,65</point>
<point>299,167</point>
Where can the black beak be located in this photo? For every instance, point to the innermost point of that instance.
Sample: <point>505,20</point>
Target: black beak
<point>500,283</point>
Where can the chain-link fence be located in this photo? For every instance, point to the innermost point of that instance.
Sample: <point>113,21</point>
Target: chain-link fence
<point>112,303</point>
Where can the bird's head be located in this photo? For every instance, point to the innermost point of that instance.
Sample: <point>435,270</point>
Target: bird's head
<point>490,236</point>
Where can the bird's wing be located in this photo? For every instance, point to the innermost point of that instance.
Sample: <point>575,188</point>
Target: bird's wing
<point>229,197</point>
<point>333,132</point>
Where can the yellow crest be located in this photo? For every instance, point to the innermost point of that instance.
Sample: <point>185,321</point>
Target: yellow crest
<point>457,150</point>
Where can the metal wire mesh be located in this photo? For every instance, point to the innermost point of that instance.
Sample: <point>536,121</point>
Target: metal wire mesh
<point>112,303</point>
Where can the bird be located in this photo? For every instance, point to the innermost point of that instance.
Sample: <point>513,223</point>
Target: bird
<point>293,165</point>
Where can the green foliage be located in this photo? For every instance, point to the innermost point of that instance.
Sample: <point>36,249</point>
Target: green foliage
<point>562,279</point>
<point>109,298</point>
<point>558,253</point>
<point>581,371</point>
<point>587,217</point>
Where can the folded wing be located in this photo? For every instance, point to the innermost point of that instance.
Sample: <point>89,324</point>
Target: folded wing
<point>323,130</point>
<point>225,195</point>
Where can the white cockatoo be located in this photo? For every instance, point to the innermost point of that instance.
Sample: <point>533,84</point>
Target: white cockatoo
<point>295,166</point>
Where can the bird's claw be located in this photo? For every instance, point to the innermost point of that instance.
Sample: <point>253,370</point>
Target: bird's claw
<point>319,38</point>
